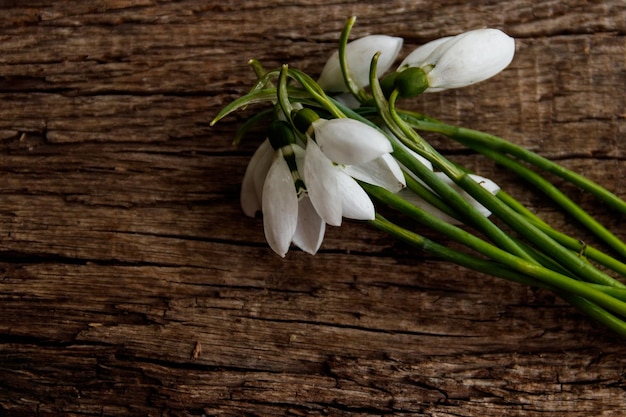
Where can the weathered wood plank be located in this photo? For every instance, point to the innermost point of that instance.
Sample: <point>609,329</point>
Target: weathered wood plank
<point>131,283</point>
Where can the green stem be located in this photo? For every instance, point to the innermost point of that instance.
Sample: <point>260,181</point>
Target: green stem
<point>527,229</point>
<point>430,197</point>
<point>281,93</point>
<point>470,136</point>
<point>612,291</point>
<point>569,242</point>
<point>556,282</point>
<point>516,221</point>
<point>316,92</point>
<point>524,227</point>
<point>353,87</point>
<point>445,191</point>
<point>454,199</point>
<point>516,263</point>
<point>597,313</point>
<point>452,255</point>
<point>557,196</point>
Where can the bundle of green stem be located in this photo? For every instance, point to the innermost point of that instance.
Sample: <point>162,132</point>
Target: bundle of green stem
<point>513,243</point>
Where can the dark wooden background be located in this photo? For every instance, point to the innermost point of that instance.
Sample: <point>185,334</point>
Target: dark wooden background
<point>132,284</point>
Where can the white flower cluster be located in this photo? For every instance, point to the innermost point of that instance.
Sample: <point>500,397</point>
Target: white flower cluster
<point>320,186</point>
<point>450,62</point>
<point>312,178</point>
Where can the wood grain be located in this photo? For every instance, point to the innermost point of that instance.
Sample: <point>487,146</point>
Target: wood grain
<point>132,284</point>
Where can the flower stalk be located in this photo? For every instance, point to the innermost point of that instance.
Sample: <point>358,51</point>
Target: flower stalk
<point>324,161</point>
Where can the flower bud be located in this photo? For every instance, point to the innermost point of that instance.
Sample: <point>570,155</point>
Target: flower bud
<point>349,141</point>
<point>462,60</point>
<point>418,57</point>
<point>359,54</point>
<point>411,82</point>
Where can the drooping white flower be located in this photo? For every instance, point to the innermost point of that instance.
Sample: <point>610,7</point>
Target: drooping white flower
<point>332,191</point>
<point>359,54</point>
<point>268,186</point>
<point>418,56</point>
<point>310,229</point>
<point>349,142</point>
<point>345,149</point>
<point>288,217</point>
<point>280,205</point>
<point>254,178</point>
<point>383,171</point>
<point>462,60</point>
<point>486,183</point>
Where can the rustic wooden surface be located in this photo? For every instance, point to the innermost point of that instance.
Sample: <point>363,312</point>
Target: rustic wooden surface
<point>132,284</point>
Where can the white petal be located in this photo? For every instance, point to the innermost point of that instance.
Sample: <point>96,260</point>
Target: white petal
<point>416,200</point>
<point>300,153</point>
<point>355,201</point>
<point>486,183</point>
<point>256,172</point>
<point>415,155</point>
<point>419,56</point>
<point>419,202</point>
<point>348,100</point>
<point>265,158</point>
<point>320,178</point>
<point>482,209</point>
<point>310,230</point>
<point>280,206</point>
<point>469,58</point>
<point>250,202</point>
<point>383,171</point>
<point>350,142</point>
<point>359,54</point>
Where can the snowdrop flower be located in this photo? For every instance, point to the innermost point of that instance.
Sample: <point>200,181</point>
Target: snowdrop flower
<point>280,204</point>
<point>359,53</point>
<point>271,185</point>
<point>486,183</point>
<point>349,141</point>
<point>345,149</point>
<point>462,60</point>
<point>254,178</point>
<point>418,57</point>
<point>256,171</point>
<point>286,217</point>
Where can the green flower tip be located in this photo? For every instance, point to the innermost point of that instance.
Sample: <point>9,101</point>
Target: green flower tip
<point>410,82</point>
<point>281,134</point>
<point>303,119</point>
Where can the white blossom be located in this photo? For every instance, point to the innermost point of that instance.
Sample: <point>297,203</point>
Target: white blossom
<point>345,149</point>
<point>359,54</point>
<point>268,185</point>
<point>332,191</point>
<point>310,229</point>
<point>280,206</point>
<point>462,60</point>
<point>350,142</point>
<point>383,171</point>
<point>254,178</point>
<point>418,57</point>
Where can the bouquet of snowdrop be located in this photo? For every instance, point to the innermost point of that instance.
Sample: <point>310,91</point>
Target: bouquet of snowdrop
<point>340,147</point>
